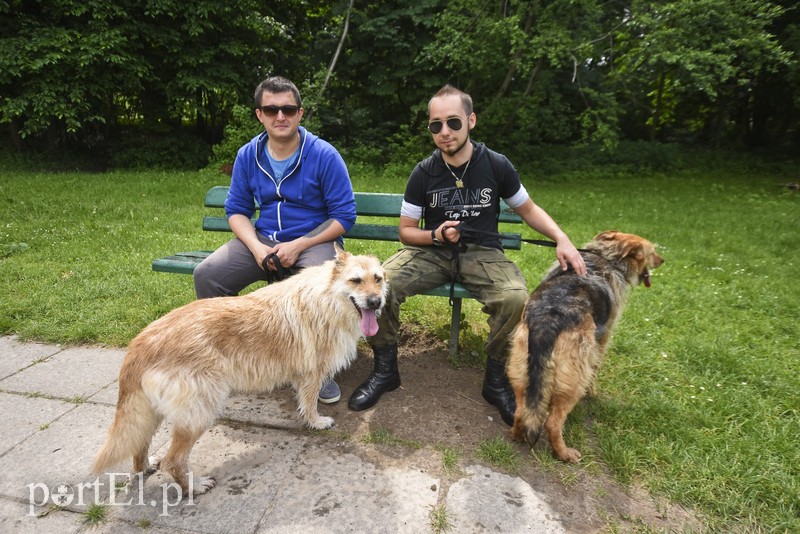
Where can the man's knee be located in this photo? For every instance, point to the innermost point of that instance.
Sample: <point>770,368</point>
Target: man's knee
<point>508,306</point>
<point>516,298</point>
<point>202,282</point>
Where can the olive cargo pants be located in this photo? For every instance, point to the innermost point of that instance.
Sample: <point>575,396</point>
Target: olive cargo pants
<point>487,273</point>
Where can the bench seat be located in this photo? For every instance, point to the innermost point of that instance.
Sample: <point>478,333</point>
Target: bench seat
<point>386,205</point>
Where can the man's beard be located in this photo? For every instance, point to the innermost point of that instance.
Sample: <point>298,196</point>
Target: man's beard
<point>452,152</point>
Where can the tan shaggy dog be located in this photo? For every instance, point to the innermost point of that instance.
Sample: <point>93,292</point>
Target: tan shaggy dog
<point>184,366</point>
<point>566,325</point>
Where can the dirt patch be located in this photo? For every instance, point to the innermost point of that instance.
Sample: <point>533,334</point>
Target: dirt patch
<point>440,404</point>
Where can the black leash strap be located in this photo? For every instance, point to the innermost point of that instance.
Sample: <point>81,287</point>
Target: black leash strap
<point>455,264</point>
<point>476,236</point>
<point>276,275</point>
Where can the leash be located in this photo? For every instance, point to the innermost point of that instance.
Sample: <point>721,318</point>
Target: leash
<point>279,273</point>
<point>478,234</point>
<point>477,237</point>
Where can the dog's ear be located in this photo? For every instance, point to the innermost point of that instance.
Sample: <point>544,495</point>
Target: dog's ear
<point>341,254</point>
<point>608,235</point>
<point>620,245</point>
<point>631,247</point>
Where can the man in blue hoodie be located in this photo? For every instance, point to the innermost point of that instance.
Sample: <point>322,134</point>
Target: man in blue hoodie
<point>305,196</point>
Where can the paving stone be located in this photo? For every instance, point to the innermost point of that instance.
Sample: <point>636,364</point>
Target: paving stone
<point>77,372</point>
<point>15,355</point>
<point>511,505</point>
<point>24,416</point>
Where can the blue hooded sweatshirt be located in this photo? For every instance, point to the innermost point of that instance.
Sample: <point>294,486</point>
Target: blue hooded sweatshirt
<point>315,188</point>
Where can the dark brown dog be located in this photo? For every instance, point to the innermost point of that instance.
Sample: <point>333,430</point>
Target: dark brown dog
<point>567,323</point>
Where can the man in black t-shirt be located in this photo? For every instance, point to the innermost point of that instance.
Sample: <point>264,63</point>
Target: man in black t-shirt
<point>461,182</point>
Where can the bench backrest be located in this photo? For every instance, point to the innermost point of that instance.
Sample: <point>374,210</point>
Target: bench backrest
<point>367,205</point>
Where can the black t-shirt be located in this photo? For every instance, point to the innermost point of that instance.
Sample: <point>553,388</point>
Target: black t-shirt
<point>489,177</point>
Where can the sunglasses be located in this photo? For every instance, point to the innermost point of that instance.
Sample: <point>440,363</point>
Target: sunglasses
<point>454,124</point>
<point>272,111</point>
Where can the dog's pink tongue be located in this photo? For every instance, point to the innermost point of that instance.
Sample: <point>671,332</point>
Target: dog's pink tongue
<point>369,324</point>
<point>646,278</point>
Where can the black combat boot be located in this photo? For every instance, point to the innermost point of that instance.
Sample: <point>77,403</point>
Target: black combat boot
<point>383,379</point>
<point>497,390</point>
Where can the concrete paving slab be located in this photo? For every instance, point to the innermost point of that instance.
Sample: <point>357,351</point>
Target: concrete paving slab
<point>24,416</point>
<point>250,466</point>
<point>19,518</point>
<point>119,526</point>
<point>511,505</point>
<point>335,491</point>
<point>107,395</point>
<point>277,409</point>
<point>71,373</point>
<point>16,355</point>
<point>60,456</point>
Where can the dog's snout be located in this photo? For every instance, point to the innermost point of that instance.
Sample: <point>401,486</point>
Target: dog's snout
<point>374,302</point>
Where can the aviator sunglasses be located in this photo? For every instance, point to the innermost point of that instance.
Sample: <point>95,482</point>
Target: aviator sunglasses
<point>454,124</point>
<point>288,111</point>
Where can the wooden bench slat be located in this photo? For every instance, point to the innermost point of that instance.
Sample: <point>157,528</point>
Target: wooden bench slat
<point>374,232</point>
<point>215,198</point>
<point>378,204</point>
<point>180,263</point>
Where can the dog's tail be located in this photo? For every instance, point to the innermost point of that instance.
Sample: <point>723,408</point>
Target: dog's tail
<point>134,424</point>
<point>542,337</point>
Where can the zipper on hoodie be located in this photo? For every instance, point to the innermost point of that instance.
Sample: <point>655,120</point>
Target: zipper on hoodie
<point>278,183</point>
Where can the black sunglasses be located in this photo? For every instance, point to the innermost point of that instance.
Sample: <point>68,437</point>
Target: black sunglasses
<point>272,111</point>
<point>454,124</point>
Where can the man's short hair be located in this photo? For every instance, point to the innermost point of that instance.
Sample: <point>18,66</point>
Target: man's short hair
<point>449,90</point>
<point>277,84</point>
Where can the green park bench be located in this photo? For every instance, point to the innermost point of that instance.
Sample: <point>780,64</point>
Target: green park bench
<point>383,205</point>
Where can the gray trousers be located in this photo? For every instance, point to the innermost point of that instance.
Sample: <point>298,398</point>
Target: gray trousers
<point>496,282</point>
<point>232,267</point>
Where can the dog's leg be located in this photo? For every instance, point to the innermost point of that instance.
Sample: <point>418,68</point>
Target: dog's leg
<point>176,461</point>
<point>560,407</point>
<point>142,463</point>
<point>518,430</point>
<point>307,393</point>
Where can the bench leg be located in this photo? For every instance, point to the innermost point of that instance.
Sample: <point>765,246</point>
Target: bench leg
<point>455,325</point>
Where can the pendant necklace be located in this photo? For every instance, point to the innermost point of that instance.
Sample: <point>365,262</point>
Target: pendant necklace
<point>459,181</point>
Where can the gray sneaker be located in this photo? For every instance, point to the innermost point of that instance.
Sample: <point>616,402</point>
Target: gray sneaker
<point>330,392</point>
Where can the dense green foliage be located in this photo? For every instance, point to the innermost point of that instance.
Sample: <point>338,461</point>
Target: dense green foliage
<point>156,82</point>
<point>697,400</point>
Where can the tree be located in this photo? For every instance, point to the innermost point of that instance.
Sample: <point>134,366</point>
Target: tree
<point>63,63</point>
<point>685,64</point>
<point>375,92</point>
<point>97,73</point>
<point>532,67</point>
<point>75,69</point>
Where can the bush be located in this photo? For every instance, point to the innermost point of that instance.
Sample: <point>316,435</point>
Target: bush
<point>150,147</point>
<point>242,127</point>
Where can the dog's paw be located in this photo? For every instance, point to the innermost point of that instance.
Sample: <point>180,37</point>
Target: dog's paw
<point>570,455</point>
<point>323,423</point>
<point>204,484</point>
<point>153,465</point>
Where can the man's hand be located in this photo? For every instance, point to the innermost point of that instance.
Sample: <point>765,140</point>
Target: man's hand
<point>288,253</point>
<point>568,255</point>
<point>261,254</point>
<point>449,233</point>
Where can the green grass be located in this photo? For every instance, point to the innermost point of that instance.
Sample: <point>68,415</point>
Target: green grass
<point>450,457</point>
<point>96,515</point>
<point>381,436</point>
<point>439,520</point>
<point>698,399</point>
<point>498,452</point>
